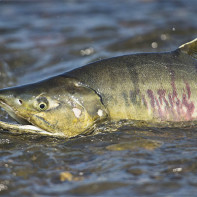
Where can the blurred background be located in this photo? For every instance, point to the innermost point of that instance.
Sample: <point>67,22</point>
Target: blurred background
<point>42,38</point>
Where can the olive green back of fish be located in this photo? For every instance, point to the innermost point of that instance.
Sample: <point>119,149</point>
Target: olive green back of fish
<point>152,87</point>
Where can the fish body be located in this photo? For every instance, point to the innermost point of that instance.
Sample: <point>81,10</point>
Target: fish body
<point>158,88</point>
<point>155,87</point>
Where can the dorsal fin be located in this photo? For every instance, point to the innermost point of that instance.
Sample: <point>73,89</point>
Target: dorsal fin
<point>190,48</point>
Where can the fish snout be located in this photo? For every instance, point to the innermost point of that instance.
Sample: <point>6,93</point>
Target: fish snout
<point>9,97</point>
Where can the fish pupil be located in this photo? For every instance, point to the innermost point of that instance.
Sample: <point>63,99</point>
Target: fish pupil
<point>42,106</point>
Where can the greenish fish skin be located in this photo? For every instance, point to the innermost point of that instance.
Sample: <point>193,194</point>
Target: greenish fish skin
<point>157,88</point>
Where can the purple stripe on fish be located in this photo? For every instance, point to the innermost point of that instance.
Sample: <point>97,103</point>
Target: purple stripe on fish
<point>172,108</point>
<point>151,96</point>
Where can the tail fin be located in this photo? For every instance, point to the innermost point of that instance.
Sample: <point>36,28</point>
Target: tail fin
<point>190,48</point>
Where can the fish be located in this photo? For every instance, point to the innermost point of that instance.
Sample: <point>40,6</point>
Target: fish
<point>153,88</point>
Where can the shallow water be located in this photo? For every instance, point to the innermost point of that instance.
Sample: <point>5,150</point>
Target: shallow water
<point>39,39</point>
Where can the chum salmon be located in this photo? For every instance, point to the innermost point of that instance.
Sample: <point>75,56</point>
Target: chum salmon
<point>156,88</point>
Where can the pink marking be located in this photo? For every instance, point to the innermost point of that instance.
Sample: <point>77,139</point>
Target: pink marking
<point>190,107</point>
<point>172,108</point>
<point>151,96</point>
<point>188,90</point>
<point>178,107</point>
<point>159,109</point>
<point>144,101</point>
<point>162,94</point>
<point>170,100</point>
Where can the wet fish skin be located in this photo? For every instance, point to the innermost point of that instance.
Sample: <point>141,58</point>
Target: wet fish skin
<point>153,87</point>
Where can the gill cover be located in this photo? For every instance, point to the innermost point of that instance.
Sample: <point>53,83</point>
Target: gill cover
<point>87,109</point>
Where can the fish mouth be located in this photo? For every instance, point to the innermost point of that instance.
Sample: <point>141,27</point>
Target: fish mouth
<point>22,125</point>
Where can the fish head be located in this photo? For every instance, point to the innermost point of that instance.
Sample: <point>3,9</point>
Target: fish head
<point>58,106</point>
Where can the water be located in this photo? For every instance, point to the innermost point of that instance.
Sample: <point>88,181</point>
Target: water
<point>39,39</point>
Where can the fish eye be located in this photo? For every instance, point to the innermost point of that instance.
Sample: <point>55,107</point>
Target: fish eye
<point>42,106</point>
<point>42,103</point>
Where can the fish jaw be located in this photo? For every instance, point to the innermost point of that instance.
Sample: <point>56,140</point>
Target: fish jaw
<point>12,112</point>
<point>24,126</point>
<point>28,129</point>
